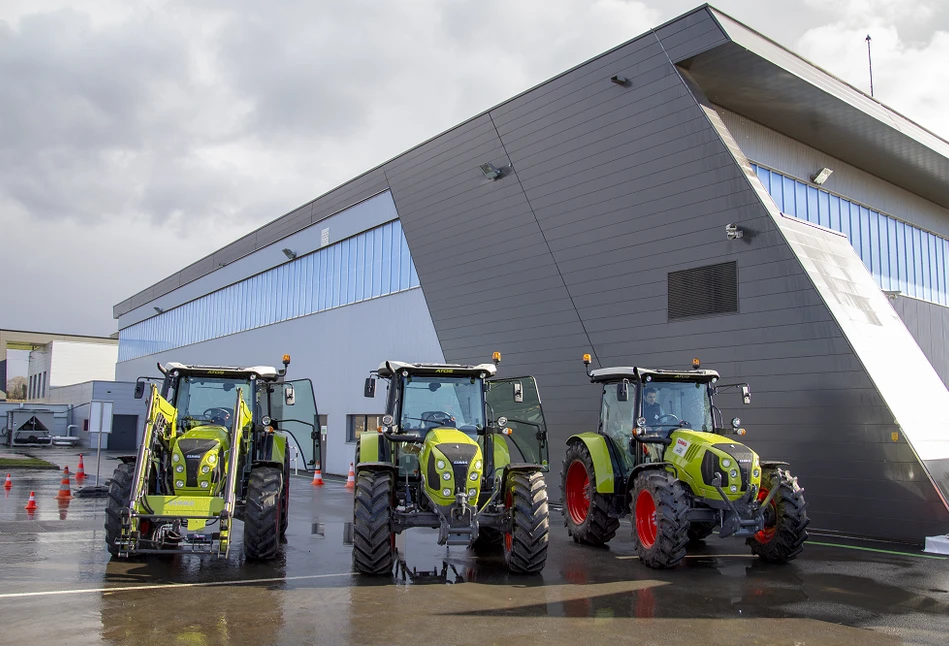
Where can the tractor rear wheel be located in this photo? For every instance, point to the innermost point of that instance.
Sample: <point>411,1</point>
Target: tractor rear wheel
<point>525,541</point>
<point>285,497</point>
<point>699,531</point>
<point>660,506</point>
<point>585,512</point>
<point>373,539</point>
<point>262,513</point>
<point>785,530</point>
<point>120,493</point>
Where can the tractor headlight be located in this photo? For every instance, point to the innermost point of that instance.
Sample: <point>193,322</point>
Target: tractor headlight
<point>440,464</point>
<point>472,493</point>
<point>212,459</point>
<point>733,473</point>
<point>446,476</point>
<point>175,458</point>
<point>474,476</point>
<point>205,469</point>
<point>204,484</point>
<point>446,492</point>
<point>726,463</point>
<point>733,488</point>
<point>755,473</point>
<point>478,465</point>
<point>179,468</point>
<point>179,483</point>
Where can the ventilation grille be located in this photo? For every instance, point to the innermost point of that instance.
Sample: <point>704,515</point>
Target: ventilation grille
<point>703,291</point>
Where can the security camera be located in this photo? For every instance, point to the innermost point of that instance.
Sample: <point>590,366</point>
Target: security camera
<point>732,232</point>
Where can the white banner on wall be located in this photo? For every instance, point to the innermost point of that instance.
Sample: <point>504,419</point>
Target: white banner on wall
<point>100,417</point>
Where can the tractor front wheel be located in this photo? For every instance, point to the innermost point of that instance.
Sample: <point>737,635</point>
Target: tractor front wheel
<point>373,540</point>
<point>585,512</point>
<point>262,513</point>
<point>120,493</point>
<point>525,541</point>
<point>785,529</point>
<point>660,506</point>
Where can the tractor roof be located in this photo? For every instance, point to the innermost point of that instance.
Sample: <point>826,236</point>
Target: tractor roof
<point>267,373</point>
<point>650,374</point>
<point>389,368</point>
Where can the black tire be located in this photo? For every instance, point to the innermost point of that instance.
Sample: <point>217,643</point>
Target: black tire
<point>660,506</point>
<point>786,521</point>
<point>699,531</point>
<point>120,493</point>
<point>285,497</point>
<point>525,542</point>
<point>262,513</point>
<point>373,540</point>
<point>585,512</point>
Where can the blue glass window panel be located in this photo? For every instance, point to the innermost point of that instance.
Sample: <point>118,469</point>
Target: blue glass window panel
<point>873,231</point>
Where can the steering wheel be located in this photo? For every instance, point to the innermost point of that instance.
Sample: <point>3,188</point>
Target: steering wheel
<point>218,415</point>
<point>670,415</point>
<point>438,418</point>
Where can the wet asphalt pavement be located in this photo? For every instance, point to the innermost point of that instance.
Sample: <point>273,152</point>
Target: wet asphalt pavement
<point>59,586</point>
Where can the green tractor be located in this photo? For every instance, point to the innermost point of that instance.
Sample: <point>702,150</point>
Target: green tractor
<point>457,453</point>
<point>214,449</point>
<point>661,455</point>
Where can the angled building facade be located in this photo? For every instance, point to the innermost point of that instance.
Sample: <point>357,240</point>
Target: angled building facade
<point>598,212</point>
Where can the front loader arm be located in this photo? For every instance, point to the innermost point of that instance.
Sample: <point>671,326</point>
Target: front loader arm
<point>160,425</point>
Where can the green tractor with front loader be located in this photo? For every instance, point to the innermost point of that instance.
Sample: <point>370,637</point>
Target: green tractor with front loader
<point>214,449</point>
<point>661,454</point>
<point>458,452</point>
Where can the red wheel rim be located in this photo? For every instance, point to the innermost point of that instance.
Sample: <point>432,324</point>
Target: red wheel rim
<point>766,534</point>
<point>577,494</point>
<point>646,519</point>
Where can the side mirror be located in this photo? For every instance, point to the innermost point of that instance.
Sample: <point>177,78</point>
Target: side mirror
<point>369,390</point>
<point>622,391</point>
<point>289,396</point>
<point>518,392</point>
<point>139,389</point>
<point>745,395</point>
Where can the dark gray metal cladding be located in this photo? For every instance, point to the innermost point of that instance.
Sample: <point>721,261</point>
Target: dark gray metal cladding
<point>194,451</point>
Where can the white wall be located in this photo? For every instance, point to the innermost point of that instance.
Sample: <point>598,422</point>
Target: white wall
<point>74,362</point>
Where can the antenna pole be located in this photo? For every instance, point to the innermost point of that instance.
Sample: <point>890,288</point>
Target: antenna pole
<point>870,62</point>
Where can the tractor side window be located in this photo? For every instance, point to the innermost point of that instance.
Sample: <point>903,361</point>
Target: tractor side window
<point>618,418</point>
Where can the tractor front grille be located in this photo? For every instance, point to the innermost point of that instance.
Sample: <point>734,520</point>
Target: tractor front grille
<point>460,457</point>
<point>194,451</point>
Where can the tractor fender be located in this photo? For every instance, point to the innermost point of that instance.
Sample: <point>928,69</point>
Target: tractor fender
<point>766,464</point>
<point>652,466</point>
<point>602,463</point>
<point>367,448</point>
<point>272,450</point>
<point>377,466</point>
<point>507,469</point>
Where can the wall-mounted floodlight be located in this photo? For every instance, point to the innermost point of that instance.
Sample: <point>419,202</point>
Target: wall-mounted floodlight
<point>733,232</point>
<point>159,310</point>
<point>821,176</point>
<point>289,253</point>
<point>621,80</point>
<point>491,171</point>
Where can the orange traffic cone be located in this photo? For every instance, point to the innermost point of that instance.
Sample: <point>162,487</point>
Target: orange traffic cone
<point>66,473</point>
<point>80,470</point>
<point>31,503</point>
<point>351,478</point>
<point>64,491</point>
<point>9,483</point>
<point>317,477</point>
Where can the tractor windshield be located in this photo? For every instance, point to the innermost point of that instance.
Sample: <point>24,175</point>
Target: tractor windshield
<point>209,400</point>
<point>430,402</point>
<point>668,405</point>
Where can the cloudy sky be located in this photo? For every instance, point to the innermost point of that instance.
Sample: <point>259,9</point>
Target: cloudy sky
<point>137,137</point>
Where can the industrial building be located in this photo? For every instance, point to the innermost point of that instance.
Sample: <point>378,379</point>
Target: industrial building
<point>698,191</point>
